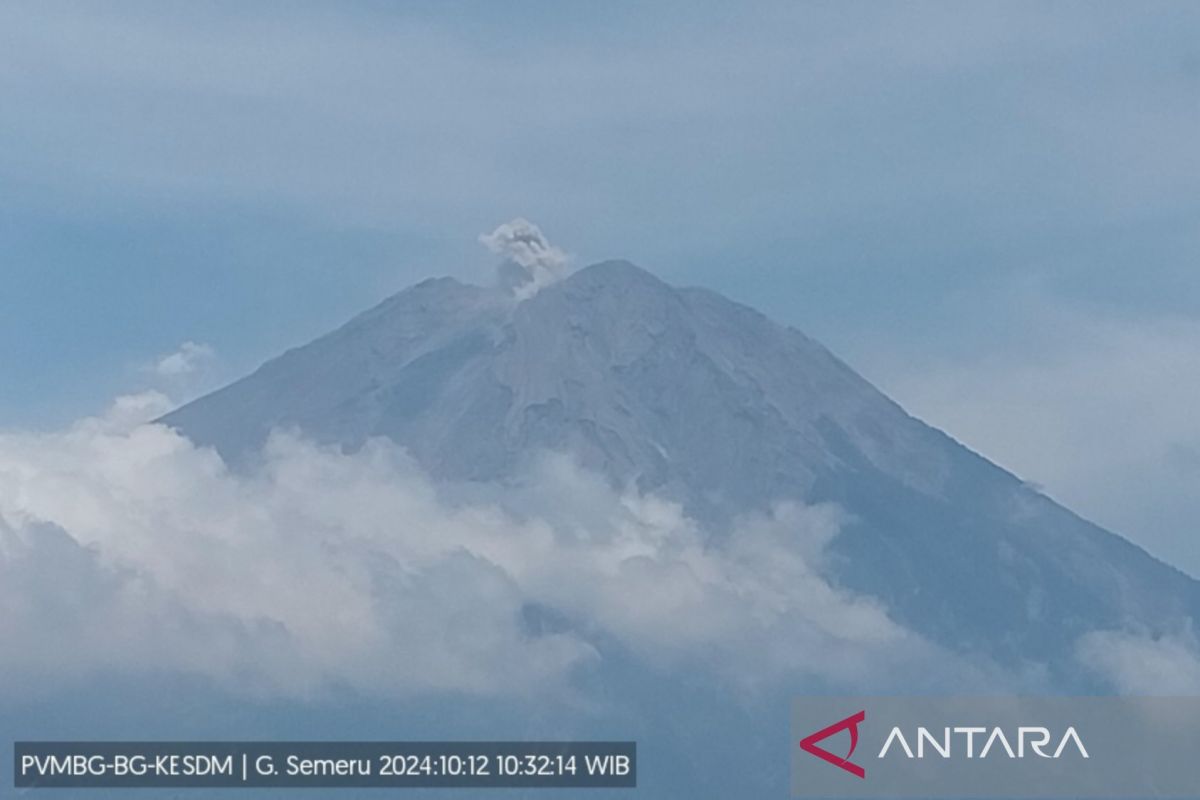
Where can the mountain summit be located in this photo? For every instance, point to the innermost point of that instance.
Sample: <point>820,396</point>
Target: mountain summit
<point>687,394</point>
<point>680,390</point>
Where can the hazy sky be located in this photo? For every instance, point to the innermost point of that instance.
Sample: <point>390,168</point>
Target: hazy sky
<point>993,211</point>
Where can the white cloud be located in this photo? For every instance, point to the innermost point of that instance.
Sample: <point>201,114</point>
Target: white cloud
<point>126,547</point>
<point>67,615</point>
<point>1140,665</point>
<point>188,359</point>
<point>523,244</point>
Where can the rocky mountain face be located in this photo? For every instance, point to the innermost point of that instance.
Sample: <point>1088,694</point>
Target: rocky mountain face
<point>687,394</point>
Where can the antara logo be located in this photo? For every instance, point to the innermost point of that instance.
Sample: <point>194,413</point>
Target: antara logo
<point>809,743</point>
<point>1030,739</point>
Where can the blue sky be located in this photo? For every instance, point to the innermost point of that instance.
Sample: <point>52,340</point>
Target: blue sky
<point>993,210</point>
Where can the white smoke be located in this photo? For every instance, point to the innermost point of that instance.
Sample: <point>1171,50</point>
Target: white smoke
<point>124,547</point>
<point>522,244</point>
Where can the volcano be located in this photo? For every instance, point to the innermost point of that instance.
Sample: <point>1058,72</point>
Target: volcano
<point>691,396</point>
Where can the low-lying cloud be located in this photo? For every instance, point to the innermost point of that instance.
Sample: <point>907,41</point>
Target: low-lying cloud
<point>124,547</point>
<point>1143,665</point>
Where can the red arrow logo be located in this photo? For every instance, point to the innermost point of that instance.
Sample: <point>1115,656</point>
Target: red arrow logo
<point>809,744</point>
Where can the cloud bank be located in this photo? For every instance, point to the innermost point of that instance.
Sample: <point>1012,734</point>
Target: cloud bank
<point>1142,665</point>
<point>125,548</point>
